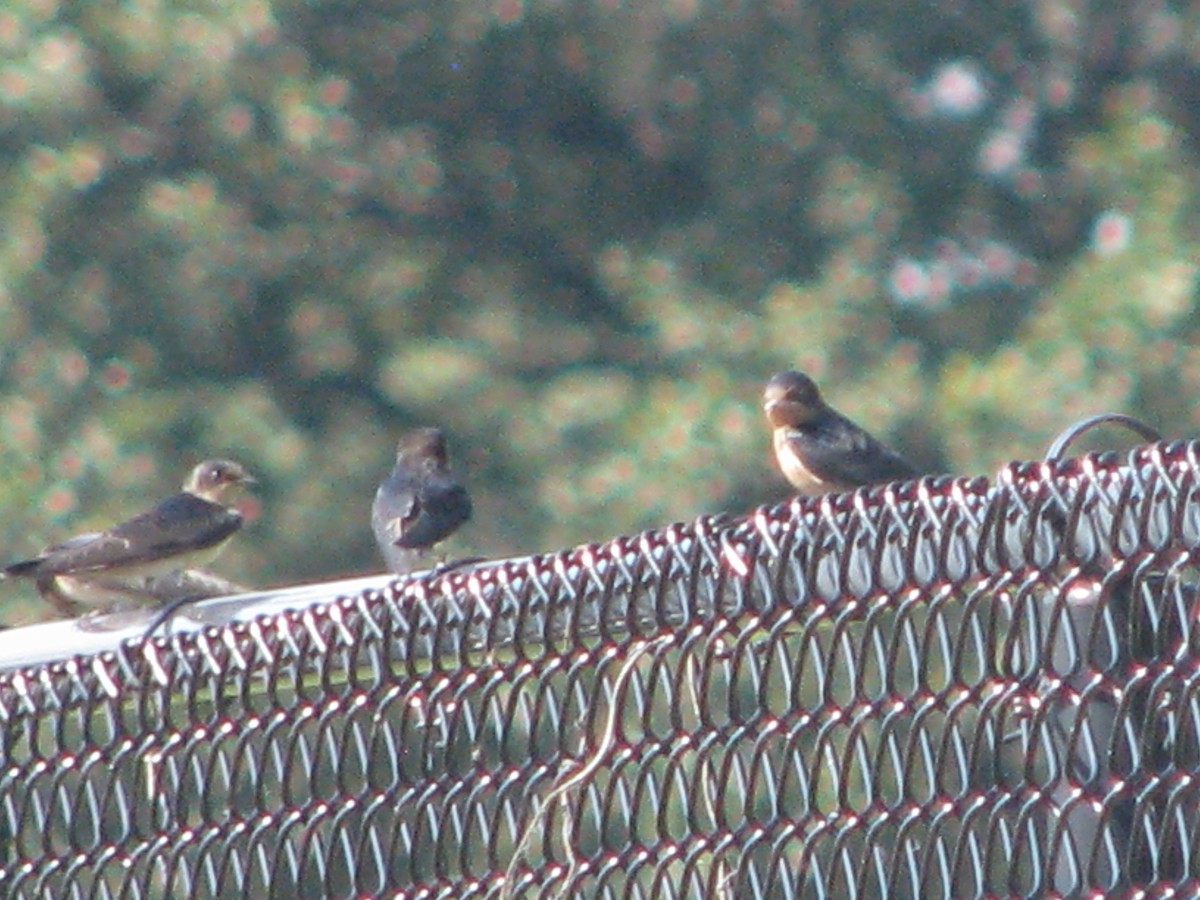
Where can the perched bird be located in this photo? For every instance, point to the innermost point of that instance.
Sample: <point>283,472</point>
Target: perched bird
<point>819,450</point>
<point>111,568</point>
<point>419,503</point>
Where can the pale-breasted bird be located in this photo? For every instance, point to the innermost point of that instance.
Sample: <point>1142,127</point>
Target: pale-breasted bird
<point>107,568</point>
<point>819,450</point>
<point>419,503</point>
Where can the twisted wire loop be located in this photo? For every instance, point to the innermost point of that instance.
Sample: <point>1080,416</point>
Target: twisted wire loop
<point>946,688</point>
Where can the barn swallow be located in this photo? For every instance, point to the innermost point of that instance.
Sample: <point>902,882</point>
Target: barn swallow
<point>419,503</point>
<point>819,450</point>
<point>113,567</point>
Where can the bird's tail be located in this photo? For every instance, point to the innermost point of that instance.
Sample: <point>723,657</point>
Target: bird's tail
<point>24,567</point>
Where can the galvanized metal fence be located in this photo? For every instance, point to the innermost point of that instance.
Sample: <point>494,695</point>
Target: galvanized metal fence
<point>949,688</point>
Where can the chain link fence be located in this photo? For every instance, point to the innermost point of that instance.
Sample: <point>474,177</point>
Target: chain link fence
<point>948,688</point>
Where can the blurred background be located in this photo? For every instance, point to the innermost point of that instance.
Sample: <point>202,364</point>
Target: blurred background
<point>578,235</point>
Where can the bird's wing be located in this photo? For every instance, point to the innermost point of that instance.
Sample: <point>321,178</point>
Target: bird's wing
<point>436,513</point>
<point>846,454</point>
<point>180,524</point>
<point>30,566</point>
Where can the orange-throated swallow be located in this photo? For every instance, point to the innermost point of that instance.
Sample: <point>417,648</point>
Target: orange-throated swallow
<point>108,568</point>
<point>419,503</point>
<point>819,450</point>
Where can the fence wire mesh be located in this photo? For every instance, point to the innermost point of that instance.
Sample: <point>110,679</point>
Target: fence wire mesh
<point>949,688</point>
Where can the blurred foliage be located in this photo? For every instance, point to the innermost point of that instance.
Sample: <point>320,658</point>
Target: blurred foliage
<point>579,236</point>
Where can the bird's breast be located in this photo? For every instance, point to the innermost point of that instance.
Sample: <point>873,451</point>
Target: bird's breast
<point>790,454</point>
<point>792,463</point>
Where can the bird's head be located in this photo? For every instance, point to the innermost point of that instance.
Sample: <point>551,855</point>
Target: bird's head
<point>218,480</point>
<point>791,399</point>
<point>424,446</point>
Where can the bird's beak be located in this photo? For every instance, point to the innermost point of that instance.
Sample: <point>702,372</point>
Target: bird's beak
<point>249,480</point>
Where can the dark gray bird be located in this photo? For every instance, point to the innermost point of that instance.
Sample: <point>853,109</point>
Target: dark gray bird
<point>419,503</point>
<point>819,450</point>
<point>108,568</point>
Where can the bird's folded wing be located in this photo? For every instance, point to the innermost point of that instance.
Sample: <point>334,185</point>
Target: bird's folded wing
<point>181,524</point>
<point>855,458</point>
<point>436,515</point>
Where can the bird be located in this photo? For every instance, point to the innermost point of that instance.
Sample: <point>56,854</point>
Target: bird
<point>819,450</point>
<point>419,503</point>
<point>110,568</point>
